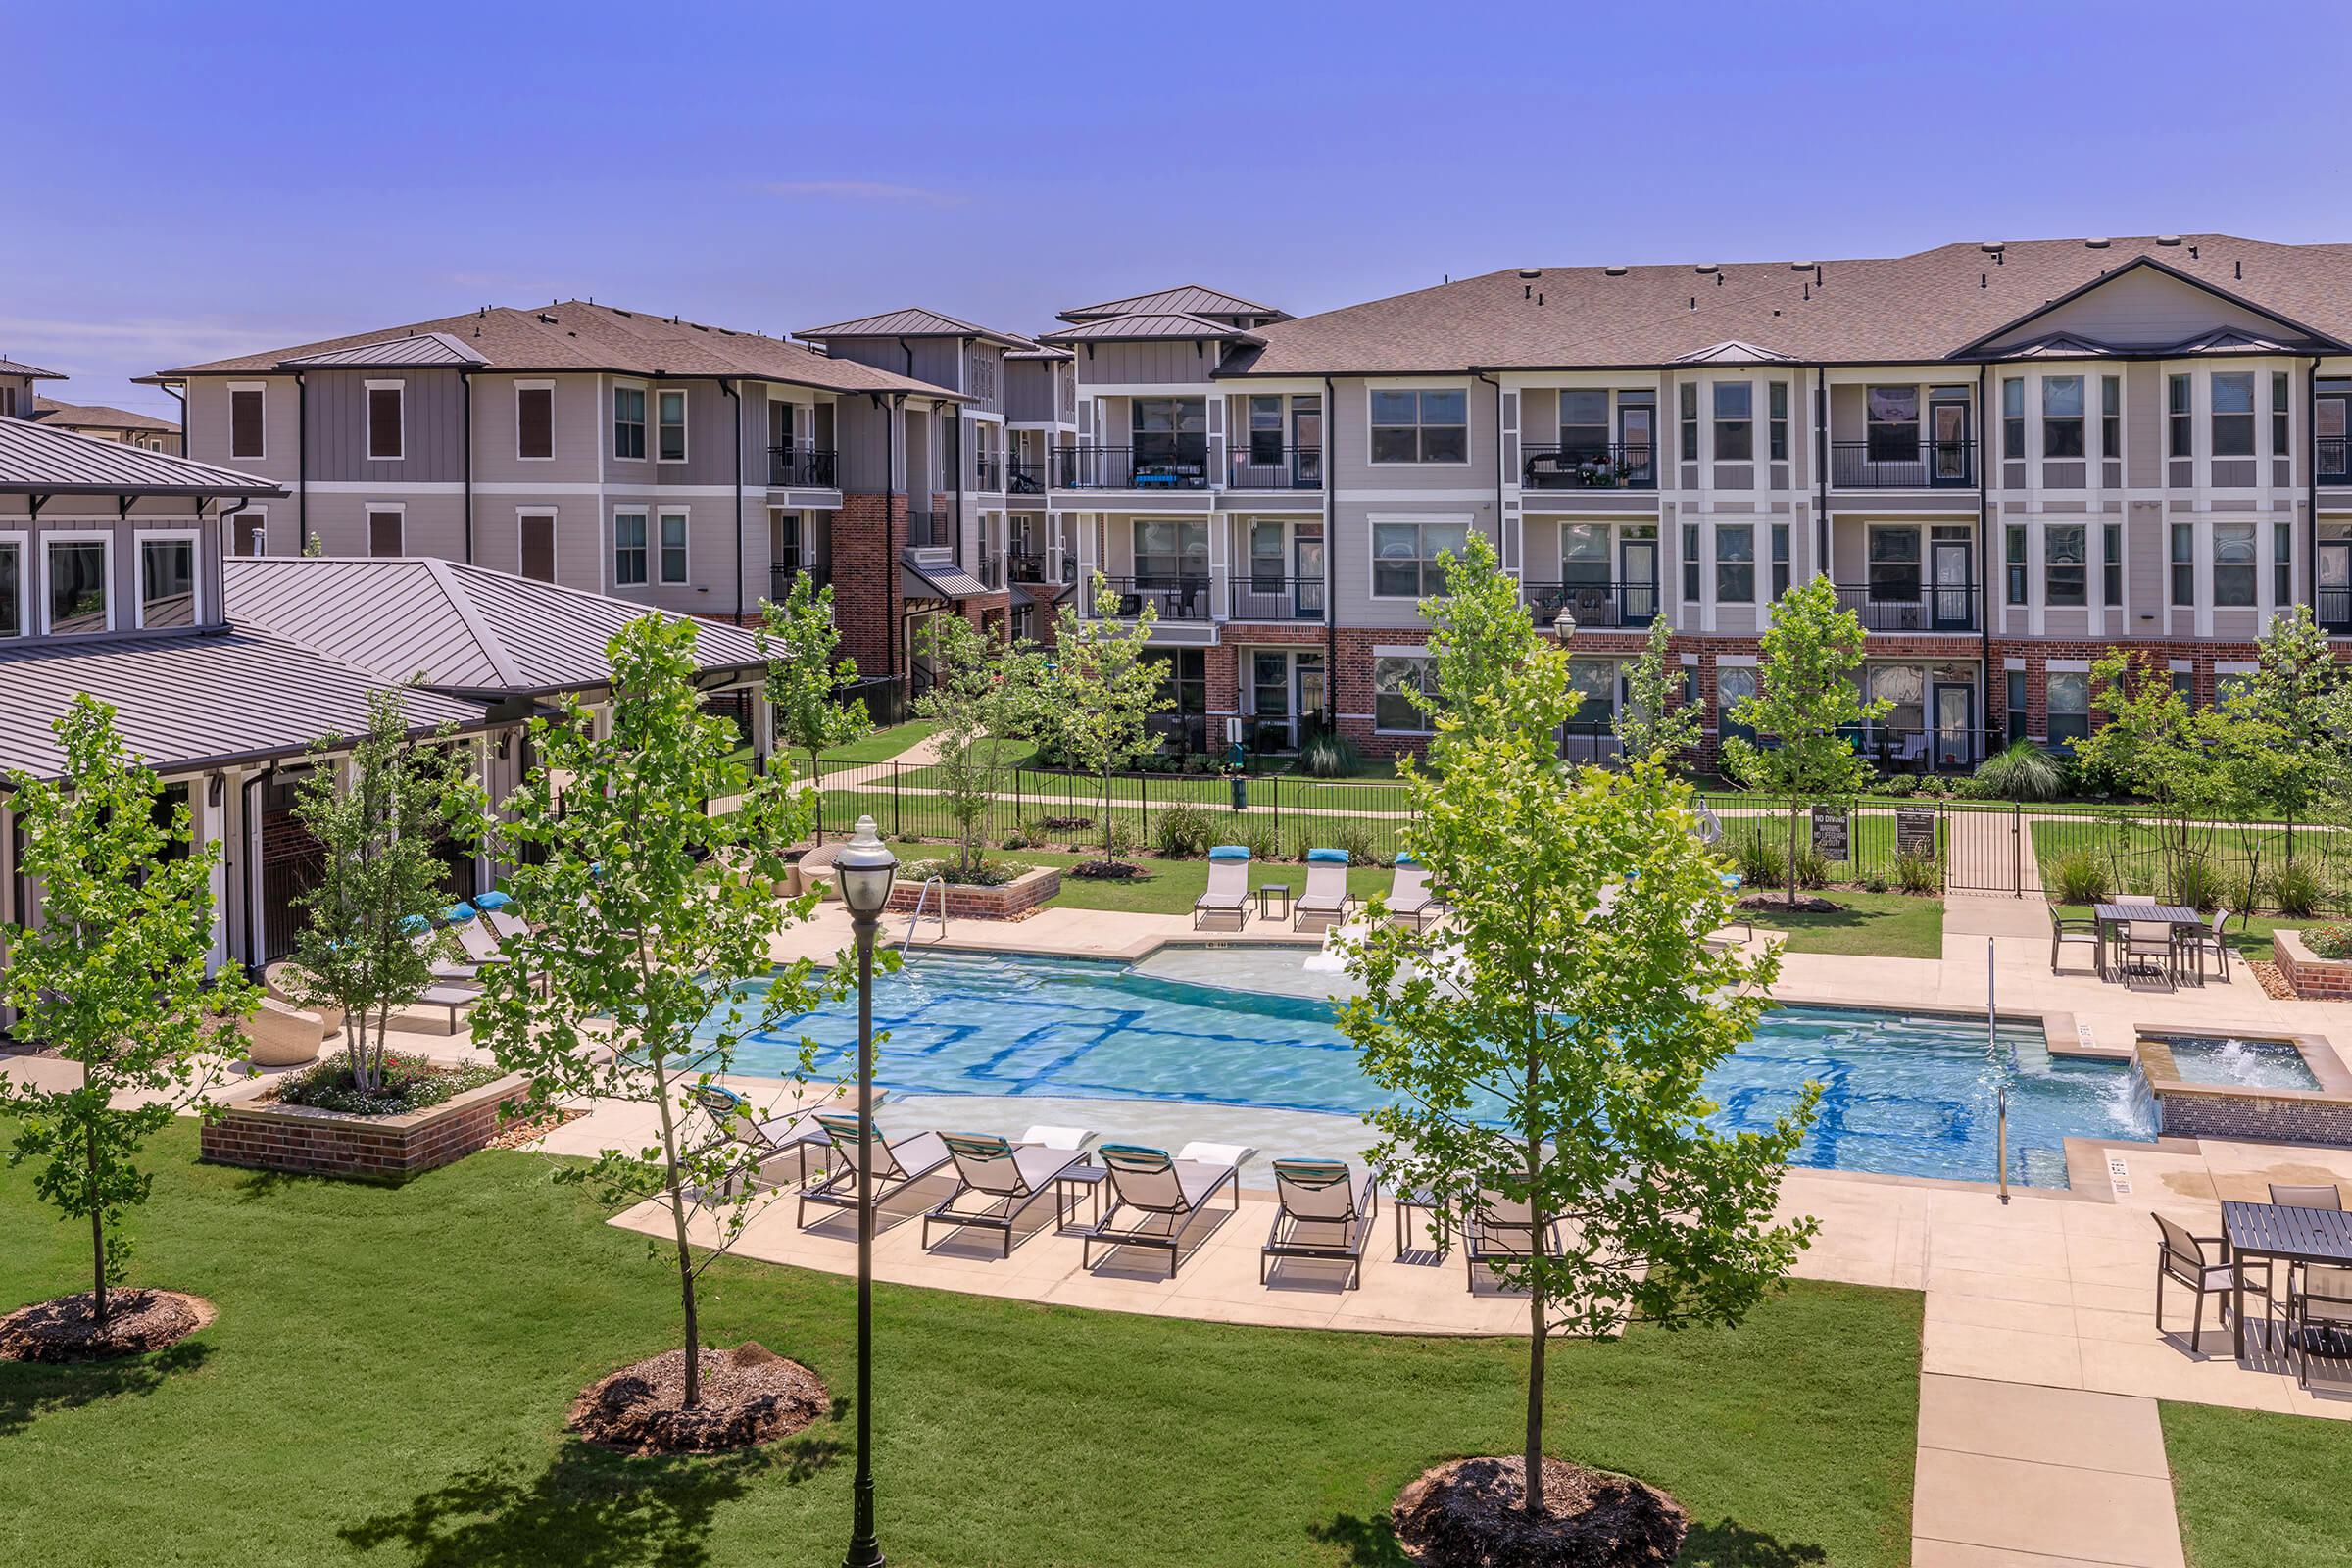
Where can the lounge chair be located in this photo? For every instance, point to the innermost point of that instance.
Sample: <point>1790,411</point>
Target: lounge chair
<point>2181,1258</point>
<point>1325,898</point>
<point>474,934</point>
<point>997,1179</point>
<point>1500,1230</point>
<point>1324,1213</point>
<point>1154,1199</point>
<point>498,912</point>
<point>1228,886</point>
<point>1410,896</point>
<point>897,1166</point>
<point>790,1133</point>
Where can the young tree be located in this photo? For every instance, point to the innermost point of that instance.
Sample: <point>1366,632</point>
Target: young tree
<point>114,978</point>
<point>1805,709</point>
<point>2196,769</point>
<point>649,918</point>
<point>2296,710</point>
<point>1093,704</point>
<point>979,701</point>
<point>380,832</point>
<point>798,638</point>
<point>1546,1042</point>
<point>1655,722</point>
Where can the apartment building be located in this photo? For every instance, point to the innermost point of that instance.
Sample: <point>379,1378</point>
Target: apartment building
<point>102,421</point>
<point>17,396</point>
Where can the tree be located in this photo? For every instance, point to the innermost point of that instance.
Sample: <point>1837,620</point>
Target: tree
<point>1656,721</point>
<point>1099,691</point>
<point>798,638</point>
<point>1805,707</point>
<point>649,918</point>
<point>113,978</point>
<point>381,834</point>
<point>1547,1041</point>
<point>2195,768</point>
<point>2299,706</point>
<point>979,698</point>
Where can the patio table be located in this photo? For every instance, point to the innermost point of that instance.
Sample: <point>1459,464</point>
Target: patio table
<point>2282,1235</point>
<point>2112,915</point>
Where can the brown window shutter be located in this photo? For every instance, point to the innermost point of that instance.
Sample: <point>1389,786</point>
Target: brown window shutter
<point>383,533</point>
<point>245,424</point>
<point>539,549</point>
<point>537,415</point>
<point>383,422</point>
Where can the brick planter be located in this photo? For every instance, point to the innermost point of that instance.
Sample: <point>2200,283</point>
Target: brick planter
<point>2308,975</point>
<point>1014,899</point>
<point>330,1143</point>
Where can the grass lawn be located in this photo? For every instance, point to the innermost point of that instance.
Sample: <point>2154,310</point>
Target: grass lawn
<point>1170,887</point>
<point>1886,926</point>
<point>388,1379</point>
<point>2246,1483</point>
<point>879,747</point>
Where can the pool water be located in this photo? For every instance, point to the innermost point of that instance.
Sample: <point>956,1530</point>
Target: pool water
<point>2241,1063</point>
<point>1906,1094</point>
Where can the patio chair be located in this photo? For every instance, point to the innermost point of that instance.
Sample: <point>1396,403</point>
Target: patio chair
<point>2181,1258</point>
<point>1154,1199</point>
<point>2318,1196</point>
<point>996,1180</point>
<point>897,1166</point>
<point>1228,886</point>
<point>473,935</point>
<point>2320,1309</point>
<point>1325,898</point>
<point>1500,1230</point>
<point>2150,941</point>
<point>1410,896</point>
<point>1324,1213</point>
<point>497,910</point>
<point>2209,939</point>
<point>2077,928</point>
<point>790,1133</point>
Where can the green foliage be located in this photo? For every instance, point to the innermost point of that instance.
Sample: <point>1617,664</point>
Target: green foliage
<point>979,698</point>
<point>2199,883</point>
<point>112,979</point>
<point>1654,721</point>
<point>1899,785</point>
<point>1183,831</point>
<point>1919,873</point>
<point>1091,699</point>
<point>1119,835</point>
<point>1812,867</point>
<point>399,1085</point>
<point>2333,942</point>
<point>798,638</point>
<point>1327,754</point>
<point>1357,838</point>
<point>2297,889</point>
<point>1761,860</point>
<point>648,916</point>
<point>2077,876</point>
<point>1259,835</point>
<point>2022,771</point>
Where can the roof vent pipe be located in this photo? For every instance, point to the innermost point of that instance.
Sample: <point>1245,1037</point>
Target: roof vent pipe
<point>2193,253</point>
<point>1992,247</point>
<point>2237,269</point>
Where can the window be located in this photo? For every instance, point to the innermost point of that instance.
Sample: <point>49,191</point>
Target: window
<point>1585,553</point>
<point>1270,685</point>
<point>629,548</point>
<point>670,415</point>
<point>384,419</point>
<point>166,583</point>
<point>2016,705</point>
<point>628,424</point>
<point>246,429</point>
<point>2234,564</point>
<point>1735,422</point>
<point>2179,420</point>
<point>1780,421</point>
<point>1594,682</point>
<point>2013,417</point>
<point>2069,699</point>
<point>1397,681</point>
<point>1688,406</point>
<point>2111,415</point>
<point>2111,563</point>
<point>1779,558</point>
<point>2185,563</point>
<point>2064,566</point>
<point>2228,689</point>
<point>1421,426</point>
<point>1906,687</point>
<point>1894,563</point>
<point>383,531</point>
<point>534,421</point>
<point>2278,418</point>
<point>2062,417</point>
<point>1166,551</point>
<point>1893,423</point>
<point>1405,556</point>
<point>2233,416</point>
<point>76,586</point>
<point>2185,687</point>
<point>673,547</point>
<point>1735,563</point>
<point>1265,431</point>
<point>1735,685</point>
<point>2014,554</point>
<point>12,588</point>
<point>1691,562</point>
<point>2282,565</point>
<point>1584,425</point>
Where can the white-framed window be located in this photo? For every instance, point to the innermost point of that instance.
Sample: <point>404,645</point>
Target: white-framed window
<point>2062,417</point>
<point>77,574</point>
<point>1736,425</point>
<point>673,547</point>
<point>1735,561</point>
<point>169,589</point>
<point>628,547</point>
<point>669,424</point>
<point>387,420</point>
<point>2180,417</point>
<point>1420,426</point>
<point>1395,679</point>
<point>535,422</point>
<point>2235,564</point>
<point>1594,682</point>
<point>628,421</point>
<point>2066,563</point>
<point>1895,561</point>
<point>387,529</point>
<point>2183,563</point>
<point>2231,414</point>
<point>14,579</point>
<point>1404,556</point>
<point>2067,705</point>
<point>248,419</point>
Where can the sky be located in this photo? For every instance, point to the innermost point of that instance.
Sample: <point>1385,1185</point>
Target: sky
<point>189,181</point>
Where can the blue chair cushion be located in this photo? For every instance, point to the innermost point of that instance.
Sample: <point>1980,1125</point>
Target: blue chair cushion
<point>1327,856</point>
<point>1230,852</point>
<point>493,899</point>
<point>458,913</point>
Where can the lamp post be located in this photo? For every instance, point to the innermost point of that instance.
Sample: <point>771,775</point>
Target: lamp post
<point>866,870</point>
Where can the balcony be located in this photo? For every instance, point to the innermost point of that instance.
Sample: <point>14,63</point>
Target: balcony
<point>1885,465</point>
<point>801,469</point>
<point>1173,598</point>
<point>1269,598</point>
<point>1274,468</point>
<point>1026,565</point>
<point>1912,607</point>
<point>1594,605</point>
<point>1024,478</point>
<point>1588,466</point>
<point>988,473</point>
<point>2332,610</point>
<point>989,569</point>
<point>2331,459</point>
<point>1180,467</point>
<point>926,529</point>
<point>780,577</point>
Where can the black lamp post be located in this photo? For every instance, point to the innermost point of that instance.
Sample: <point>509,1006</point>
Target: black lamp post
<point>866,870</point>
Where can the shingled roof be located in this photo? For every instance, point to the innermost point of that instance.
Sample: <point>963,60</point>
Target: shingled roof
<point>97,417</point>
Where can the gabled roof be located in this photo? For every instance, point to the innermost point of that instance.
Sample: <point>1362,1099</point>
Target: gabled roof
<point>1133,328</point>
<point>30,371</point>
<point>2150,263</point>
<point>97,417</point>
<point>462,630</point>
<point>1184,299</point>
<point>42,461</point>
<point>913,321</point>
<point>418,351</point>
<point>1732,351</point>
<point>2056,346</point>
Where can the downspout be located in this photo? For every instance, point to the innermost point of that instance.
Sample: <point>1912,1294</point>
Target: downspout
<point>179,396</point>
<point>1498,386</point>
<point>249,829</point>
<point>1984,559</point>
<point>221,519</point>
<point>1331,556</point>
<point>302,464</point>
<point>465,417</point>
<point>735,397</point>
<point>1821,472</point>
<point>964,353</point>
<point>2311,487</point>
<point>890,550</point>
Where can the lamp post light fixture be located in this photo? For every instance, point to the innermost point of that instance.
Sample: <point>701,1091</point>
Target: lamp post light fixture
<point>864,869</point>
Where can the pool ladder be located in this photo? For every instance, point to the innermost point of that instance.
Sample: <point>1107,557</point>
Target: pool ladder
<point>922,899</point>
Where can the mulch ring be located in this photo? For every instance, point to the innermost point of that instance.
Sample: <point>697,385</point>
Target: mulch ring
<point>1806,904</point>
<point>750,1395</point>
<point>1471,1513</point>
<point>528,1129</point>
<point>63,1330</point>
<point>1105,870</point>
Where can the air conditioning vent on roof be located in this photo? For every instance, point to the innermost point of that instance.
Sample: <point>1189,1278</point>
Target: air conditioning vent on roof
<point>1707,269</point>
<point>1992,247</point>
<point>1531,273</point>
<point>2168,239</point>
<point>2099,243</point>
<point>1615,272</point>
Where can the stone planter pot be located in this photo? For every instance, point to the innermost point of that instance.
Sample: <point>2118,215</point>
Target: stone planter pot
<point>270,1136</point>
<point>2308,974</point>
<point>1014,899</point>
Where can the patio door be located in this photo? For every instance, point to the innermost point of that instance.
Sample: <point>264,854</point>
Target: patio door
<point>1306,443</point>
<point>1307,572</point>
<point>2334,578</point>
<point>1947,429</point>
<point>1635,422</point>
<point>1948,562</point>
<point>1307,670</point>
<point>1637,579</point>
<point>1956,709</point>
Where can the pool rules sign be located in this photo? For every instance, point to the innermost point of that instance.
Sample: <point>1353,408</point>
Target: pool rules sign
<point>1830,833</point>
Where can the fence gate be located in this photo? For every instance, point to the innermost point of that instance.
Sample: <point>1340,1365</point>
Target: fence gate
<point>1989,848</point>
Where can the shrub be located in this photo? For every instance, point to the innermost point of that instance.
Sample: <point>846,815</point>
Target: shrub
<point>1338,833</point>
<point>2077,876</point>
<point>1327,754</point>
<point>1812,866</point>
<point>1899,784</point>
<point>1016,840</point>
<point>2021,773</point>
<point>1874,882</point>
<point>2297,889</point>
<point>1260,836</point>
<point>411,1083</point>
<point>2196,885</point>
<point>1120,840</point>
<point>2329,940</point>
<point>1181,832</point>
<point>1919,873</point>
<point>1758,857</point>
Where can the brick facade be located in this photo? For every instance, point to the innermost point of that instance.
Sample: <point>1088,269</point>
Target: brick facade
<point>865,578</point>
<point>2308,975</point>
<point>1009,901</point>
<point>326,1143</point>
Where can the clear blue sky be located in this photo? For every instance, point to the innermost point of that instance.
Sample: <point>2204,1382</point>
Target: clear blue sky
<point>197,181</point>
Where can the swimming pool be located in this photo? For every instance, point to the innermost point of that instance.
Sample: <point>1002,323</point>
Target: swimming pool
<point>2240,1063</point>
<point>1906,1094</point>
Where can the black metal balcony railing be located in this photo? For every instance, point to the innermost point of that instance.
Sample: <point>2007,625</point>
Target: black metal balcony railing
<point>796,465</point>
<point>2331,459</point>
<point>2333,608</point>
<point>991,570</point>
<point>988,473</point>
<point>1172,596</point>
<point>1906,749</point>
<point>1024,478</point>
<point>1935,464</point>
<point>1908,607</point>
<point>1596,605</point>
<point>1026,565</point>
<point>781,574</point>
<point>1268,598</point>
<point>1181,466</point>
<point>1588,466</point>
<point>1251,467</point>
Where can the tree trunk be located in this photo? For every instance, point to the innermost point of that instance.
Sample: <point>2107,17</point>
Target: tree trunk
<point>98,1300</point>
<point>1792,820</point>
<point>677,1220</point>
<point>1108,857</point>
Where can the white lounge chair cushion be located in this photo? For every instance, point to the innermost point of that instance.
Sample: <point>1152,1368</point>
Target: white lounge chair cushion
<point>1045,1136</point>
<point>1201,1153</point>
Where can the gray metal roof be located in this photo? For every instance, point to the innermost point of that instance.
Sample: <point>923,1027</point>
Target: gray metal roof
<point>939,579</point>
<point>416,350</point>
<point>187,701</point>
<point>459,628</point>
<point>33,371</point>
<point>1128,328</point>
<point>914,321</point>
<point>1186,299</point>
<point>43,460</point>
